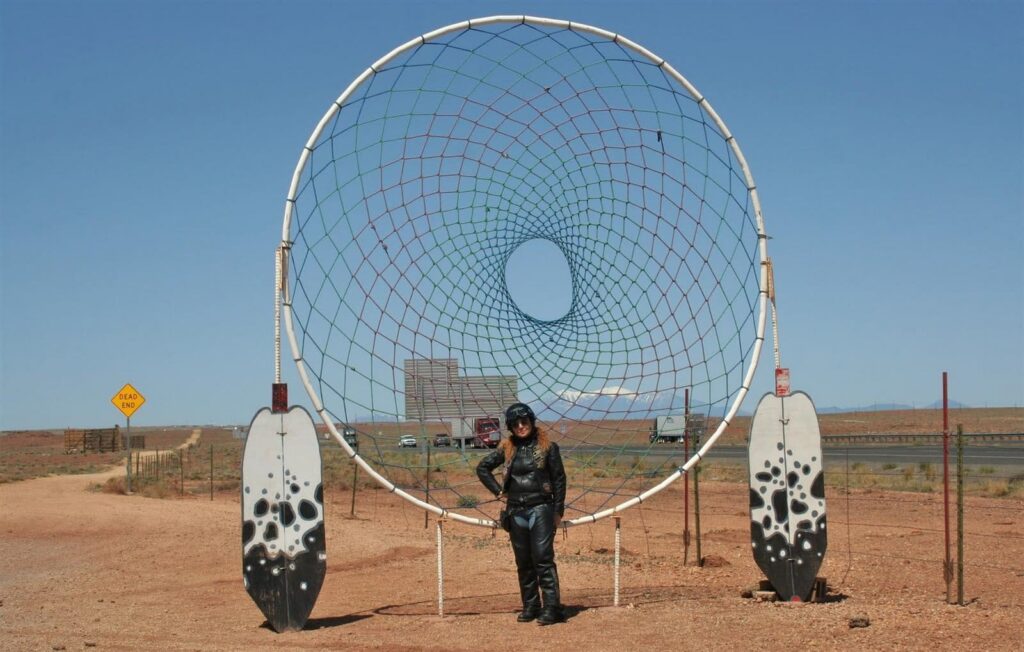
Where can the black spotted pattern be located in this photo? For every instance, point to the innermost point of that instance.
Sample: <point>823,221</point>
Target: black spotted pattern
<point>307,510</point>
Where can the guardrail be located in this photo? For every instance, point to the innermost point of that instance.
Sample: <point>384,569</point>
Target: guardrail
<point>922,438</point>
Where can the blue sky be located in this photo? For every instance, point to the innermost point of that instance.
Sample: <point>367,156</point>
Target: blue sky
<point>146,150</point>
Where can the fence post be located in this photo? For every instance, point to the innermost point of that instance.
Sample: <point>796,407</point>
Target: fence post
<point>696,502</point>
<point>211,471</point>
<point>947,567</point>
<point>849,538</point>
<point>960,514</point>
<point>181,472</point>
<point>686,485</point>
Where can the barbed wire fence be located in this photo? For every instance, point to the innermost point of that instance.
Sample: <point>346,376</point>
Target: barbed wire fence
<point>889,511</point>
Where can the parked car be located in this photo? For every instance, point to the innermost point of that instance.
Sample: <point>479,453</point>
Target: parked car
<point>442,440</point>
<point>407,441</point>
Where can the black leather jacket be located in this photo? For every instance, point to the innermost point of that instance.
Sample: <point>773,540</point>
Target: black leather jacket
<point>531,478</point>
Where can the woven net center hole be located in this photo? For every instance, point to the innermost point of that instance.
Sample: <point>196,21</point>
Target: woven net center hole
<point>538,280</point>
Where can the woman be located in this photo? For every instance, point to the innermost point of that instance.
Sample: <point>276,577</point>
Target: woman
<point>534,488</point>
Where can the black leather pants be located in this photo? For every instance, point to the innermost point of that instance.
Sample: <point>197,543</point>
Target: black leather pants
<point>532,534</point>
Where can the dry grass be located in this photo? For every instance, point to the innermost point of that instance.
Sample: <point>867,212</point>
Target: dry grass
<point>32,454</point>
<point>25,455</point>
<point>457,484</point>
<point>629,432</point>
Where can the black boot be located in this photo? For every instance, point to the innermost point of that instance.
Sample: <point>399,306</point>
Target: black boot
<point>531,598</point>
<point>551,615</point>
<point>528,613</point>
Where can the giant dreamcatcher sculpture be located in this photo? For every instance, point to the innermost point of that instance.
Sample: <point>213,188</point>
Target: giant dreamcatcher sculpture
<point>426,176</point>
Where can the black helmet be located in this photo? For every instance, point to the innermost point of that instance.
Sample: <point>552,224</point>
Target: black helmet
<point>517,411</point>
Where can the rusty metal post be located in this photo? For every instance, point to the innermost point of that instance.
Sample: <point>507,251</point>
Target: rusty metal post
<point>960,514</point>
<point>947,567</point>
<point>211,471</point>
<point>696,502</point>
<point>686,485</point>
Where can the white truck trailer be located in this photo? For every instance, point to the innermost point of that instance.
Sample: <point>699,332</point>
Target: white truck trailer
<point>672,429</point>
<point>669,429</point>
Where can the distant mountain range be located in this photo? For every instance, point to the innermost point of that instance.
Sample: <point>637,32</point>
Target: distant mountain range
<point>624,405</point>
<point>879,407</point>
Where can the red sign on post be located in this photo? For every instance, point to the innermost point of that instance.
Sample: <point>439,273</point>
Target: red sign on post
<point>279,397</point>
<point>782,382</point>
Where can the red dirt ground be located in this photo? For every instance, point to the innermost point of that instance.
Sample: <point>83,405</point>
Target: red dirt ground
<point>82,569</point>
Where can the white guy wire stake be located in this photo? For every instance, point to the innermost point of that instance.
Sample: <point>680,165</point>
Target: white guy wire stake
<point>618,542</point>
<point>440,568</point>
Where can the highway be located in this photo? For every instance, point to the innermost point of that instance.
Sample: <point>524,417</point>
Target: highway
<point>999,455</point>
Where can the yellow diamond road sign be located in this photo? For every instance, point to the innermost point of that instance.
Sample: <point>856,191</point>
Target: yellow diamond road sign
<point>128,399</point>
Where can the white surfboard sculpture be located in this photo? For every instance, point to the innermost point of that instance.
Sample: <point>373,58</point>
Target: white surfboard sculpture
<point>284,557</point>
<point>787,493</point>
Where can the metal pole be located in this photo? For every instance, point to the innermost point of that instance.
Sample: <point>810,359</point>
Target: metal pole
<point>618,545</point>
<point>181,472</point>
<point>440,567</point>
<point>947,568</point>
<point>686,485</point>
<point>696,502</point>
<point>128,435</point>
<point>960,514</point>
<point>211,471</point>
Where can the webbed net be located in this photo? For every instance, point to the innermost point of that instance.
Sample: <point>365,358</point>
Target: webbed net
<point>426,177</point>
